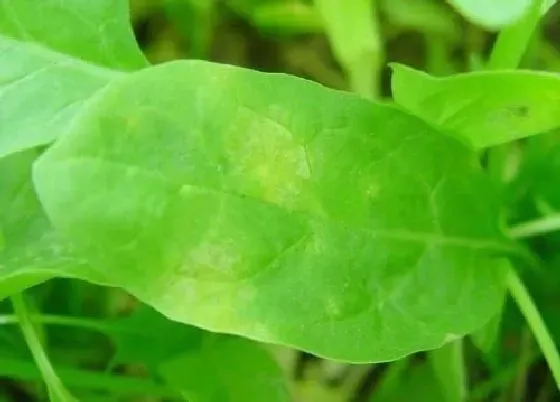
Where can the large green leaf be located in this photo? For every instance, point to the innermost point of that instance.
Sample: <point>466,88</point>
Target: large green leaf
<point>269,206</point>
<point>54,55</point>
<point>487,107</point>
<point>226,369</point>
<point>32,251</point>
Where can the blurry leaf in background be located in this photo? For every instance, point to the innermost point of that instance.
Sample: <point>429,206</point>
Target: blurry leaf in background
<point>227,368</point>
<point>195,20</point>
<point>416,382</point>
<point>149,338</point>
<point>486,337</point>
<point>353,31</point>
<point>287,18</point>
<point>492,14</point>
<point>255,228</point>
<point>487,108</point>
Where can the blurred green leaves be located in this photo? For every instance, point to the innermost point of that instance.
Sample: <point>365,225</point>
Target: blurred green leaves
<point>353,31</point>
<point>226,369</point>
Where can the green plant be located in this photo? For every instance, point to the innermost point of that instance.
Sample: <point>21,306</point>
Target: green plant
<point>263,205</point>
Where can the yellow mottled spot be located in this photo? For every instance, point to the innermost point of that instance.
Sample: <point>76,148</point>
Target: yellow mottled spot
<point>212,259</point>
<point>269,163</point>
<point>373,190</point>
<point>334,308</point>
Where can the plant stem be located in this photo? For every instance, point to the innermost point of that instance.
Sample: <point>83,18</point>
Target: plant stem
<point>537,227</point>
<point>47,319</point>
<point>57,391</point>
<point>529,310</point>
<point>449,366</point>
<point>354,34</point>
<point>513,40</point>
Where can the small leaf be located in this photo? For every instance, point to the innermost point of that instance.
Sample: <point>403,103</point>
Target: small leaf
<point>487,108</point>
<point>226,369</point>
<point>280,210</point>
<point>353,33</point>
<point>426,16</point>
<point>493,14</point>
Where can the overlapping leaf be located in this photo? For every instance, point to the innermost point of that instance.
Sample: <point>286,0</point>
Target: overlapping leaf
<point>271,207</point>
<point>31,251</point>
<point>487,108</point>
<point>54,55</point>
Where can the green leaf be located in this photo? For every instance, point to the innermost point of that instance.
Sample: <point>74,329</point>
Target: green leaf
<point>55,56</point>
<point>95,31</point>
<point>149,338</point>
<point>227,369</point>
<point>32,251</point>
<point>271,207</point>
<point>487,107</point>
<point>40,92</point>
<point>496,14</point>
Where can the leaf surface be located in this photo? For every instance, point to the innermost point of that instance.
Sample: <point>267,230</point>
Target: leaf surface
<point>271,207</point>
<point>487,108</point>
<point>31,251</point>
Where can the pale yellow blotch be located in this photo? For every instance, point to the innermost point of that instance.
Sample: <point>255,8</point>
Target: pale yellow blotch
<point>373,190</point>
<point>213,259</point>
<point>268,160</point>
<point>333,308</point>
